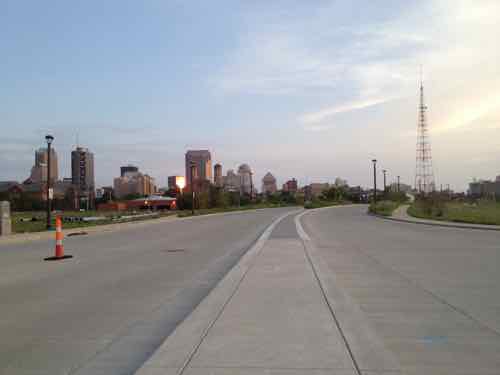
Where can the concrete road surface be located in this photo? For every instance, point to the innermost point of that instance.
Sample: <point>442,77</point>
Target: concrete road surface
<point>335,291</point>
<point>109,308</point>
<point>431,294</point>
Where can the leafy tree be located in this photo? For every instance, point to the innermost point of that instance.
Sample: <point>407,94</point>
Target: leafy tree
<point>132,196</point>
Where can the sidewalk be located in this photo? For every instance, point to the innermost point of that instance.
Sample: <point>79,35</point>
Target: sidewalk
<point>400,214</point>
<point>270,315</point>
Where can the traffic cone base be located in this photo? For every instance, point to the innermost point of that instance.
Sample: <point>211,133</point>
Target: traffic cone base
<point>58,258</point>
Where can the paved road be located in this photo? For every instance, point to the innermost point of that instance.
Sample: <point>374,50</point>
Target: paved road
<point>431,294</point>
<point>109,308</point>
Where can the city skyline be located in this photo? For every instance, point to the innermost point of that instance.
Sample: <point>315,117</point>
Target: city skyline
<point>327,86</point>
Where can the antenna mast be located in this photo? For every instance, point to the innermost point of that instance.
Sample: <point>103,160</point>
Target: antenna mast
<point>424,174</point>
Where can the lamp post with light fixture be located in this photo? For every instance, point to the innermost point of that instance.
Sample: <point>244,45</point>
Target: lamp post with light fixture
<point>385,185</point>
<point>49,140</point>
<point>192,169</point>
<point>374,161</point>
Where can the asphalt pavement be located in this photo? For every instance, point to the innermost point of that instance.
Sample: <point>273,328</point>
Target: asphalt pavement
<point>108,309</point>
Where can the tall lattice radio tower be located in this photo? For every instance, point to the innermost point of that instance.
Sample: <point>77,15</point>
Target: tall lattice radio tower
<point>424,174</point>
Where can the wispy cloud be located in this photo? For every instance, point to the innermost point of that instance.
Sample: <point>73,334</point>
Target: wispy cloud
<point>315,117</point>
<point>471,113</point>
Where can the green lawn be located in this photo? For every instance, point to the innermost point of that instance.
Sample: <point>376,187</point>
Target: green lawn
<point>39,223</point>
<point>206,211</point>
<point>385,208</point>
<point>318,203</point>
<point>482,212</point>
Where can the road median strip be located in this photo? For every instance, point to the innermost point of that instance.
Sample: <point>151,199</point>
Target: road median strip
<point>179,348</point>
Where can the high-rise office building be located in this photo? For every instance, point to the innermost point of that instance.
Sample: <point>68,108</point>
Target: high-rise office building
<point>202,162</point>
<point>232,182</point>
<point>245,174</point>
<point>218,178</point>
<point>82,175</point>
<point>128,168</point>
<point>39,170</point>
<point>134,183</point>
<point>290,186</point>
<point>176,182</point>
<point>269,184</point>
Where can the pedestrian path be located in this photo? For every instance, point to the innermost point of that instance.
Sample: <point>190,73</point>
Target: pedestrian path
<point>275,322</point>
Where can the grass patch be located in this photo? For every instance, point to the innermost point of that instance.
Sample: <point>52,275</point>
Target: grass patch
<point>35,221</point>
<point>481,212</point>
<point>384,208</point>
<point>207,211</point>
<point>318,203</point>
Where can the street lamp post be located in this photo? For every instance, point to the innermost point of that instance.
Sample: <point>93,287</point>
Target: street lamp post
<point>251,186</point>
<point>385,186</point>
<point>49,140</point>
<point>398,185</point>
<point>374,161</point>
<point>192,187</point>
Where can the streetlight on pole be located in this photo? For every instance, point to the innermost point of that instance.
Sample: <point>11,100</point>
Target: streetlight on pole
<point>251,186</point>
<point>374,161</point>
<point>385,186</point>
<point>49,140</point>
<point>193,166</point>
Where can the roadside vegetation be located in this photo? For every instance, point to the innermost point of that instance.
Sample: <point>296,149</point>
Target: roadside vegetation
<point>217,200</point>
<point>318,203</point>
<point>389,202</point>
<point>35,221</point>
<point>207,211</point>
<point>384,208</point>
<point>334,196</point>
<point>212,200</point>
<point>473,212</point>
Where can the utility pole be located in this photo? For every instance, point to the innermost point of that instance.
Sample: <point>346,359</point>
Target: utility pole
<point>251,186</point>
<point>398,185</point>
<point>49,140</point>
<point>374,161</point>
<point>385,186</point>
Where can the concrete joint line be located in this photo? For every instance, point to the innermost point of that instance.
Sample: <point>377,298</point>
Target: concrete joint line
<point>362,343</point>
<point>306,239</point>
<point>186,338</point>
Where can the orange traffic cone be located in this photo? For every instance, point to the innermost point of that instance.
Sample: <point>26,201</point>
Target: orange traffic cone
<point>59,243</point>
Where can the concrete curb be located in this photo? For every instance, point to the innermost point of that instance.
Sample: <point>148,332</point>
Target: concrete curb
<point>366,349</point>
<point>438,223</point>
<point>174,355</point>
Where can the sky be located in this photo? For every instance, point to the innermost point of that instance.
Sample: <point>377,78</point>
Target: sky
<point>306,89</point>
